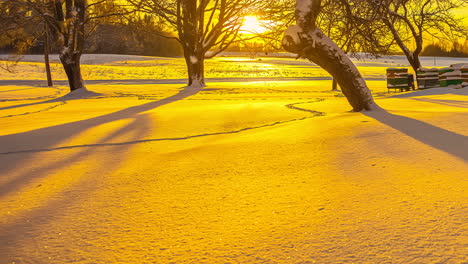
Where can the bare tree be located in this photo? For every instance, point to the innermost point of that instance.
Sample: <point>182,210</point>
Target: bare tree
<point>307,40</point>
<point>355,37</point>
<point>27,23</point>
<point>408,22</point>
<point>19,31</point>
<point>204,28</point>
<point>67,27</point>
<point>66,20</point>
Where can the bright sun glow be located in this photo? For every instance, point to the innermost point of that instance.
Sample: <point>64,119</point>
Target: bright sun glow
<point>252,25</point>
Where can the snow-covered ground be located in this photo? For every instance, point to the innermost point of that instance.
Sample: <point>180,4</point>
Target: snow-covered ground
<point>258,171</point>
<point>98,59</point>
<point>141,69</point>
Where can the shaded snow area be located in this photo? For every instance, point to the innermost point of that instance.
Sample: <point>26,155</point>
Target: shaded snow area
<point>244,171</point>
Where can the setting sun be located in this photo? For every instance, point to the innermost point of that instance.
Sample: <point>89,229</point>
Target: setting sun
<point>251,25</point>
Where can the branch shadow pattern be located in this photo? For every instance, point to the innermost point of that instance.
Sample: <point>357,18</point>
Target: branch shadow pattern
<point>37,111</point>
<point>54,99</point>
<point>14,234</point>
<point>48,137</point>
<point>146,140</point>
<point>139,123</point>
<point>44,137</point>
<point>51,98</point>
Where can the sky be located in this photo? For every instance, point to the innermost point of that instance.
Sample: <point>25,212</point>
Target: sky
<point>462,13</point>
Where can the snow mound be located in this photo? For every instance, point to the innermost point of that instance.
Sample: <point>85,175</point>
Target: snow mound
<point>81,93</point>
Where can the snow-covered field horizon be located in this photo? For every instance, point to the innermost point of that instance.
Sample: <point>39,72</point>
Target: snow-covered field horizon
<point>386,60</point>
<point>133,69</point>
<point>392,60</point>
<point>247,170</point>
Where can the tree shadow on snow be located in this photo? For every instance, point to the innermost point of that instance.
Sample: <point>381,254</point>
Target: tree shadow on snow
<point>139,126</point>
<point>83,185</point>
<point>26,144</point>
<point>67,97</point>
<point>18,149</point>
<point>447,141</point>
<point>453,103</point>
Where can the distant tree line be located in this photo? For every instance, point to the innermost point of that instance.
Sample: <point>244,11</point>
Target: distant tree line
<point>444,50</point>
<point>139,37</point>
<point>106,38</point>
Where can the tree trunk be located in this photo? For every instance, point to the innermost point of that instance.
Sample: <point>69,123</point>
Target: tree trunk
<point>414,62</point>
<point>193,50</point>
<point>195,69</point>
<point>70,38</point>
<point>308,41</point>
<point>46,56</point>
<point>334,85</point>
<point>318,48</point>
<point>72,66</point>
<point>412,57</point>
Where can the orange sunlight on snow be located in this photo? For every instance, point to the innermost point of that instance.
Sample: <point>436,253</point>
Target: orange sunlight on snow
<point>264,165</point>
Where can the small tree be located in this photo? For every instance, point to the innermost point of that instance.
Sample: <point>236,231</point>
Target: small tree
<point>307,40</point>
<point>22,29</point>
<point>204,28</point>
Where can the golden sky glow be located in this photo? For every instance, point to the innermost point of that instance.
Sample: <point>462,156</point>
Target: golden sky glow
<point>252,25</point>
<point>463,13</point>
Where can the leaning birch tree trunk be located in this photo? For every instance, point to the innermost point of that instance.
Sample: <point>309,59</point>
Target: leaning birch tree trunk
<point>308,41</point>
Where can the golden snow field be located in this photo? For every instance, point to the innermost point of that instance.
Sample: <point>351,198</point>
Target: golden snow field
<point>258,171</point>
<point>139,67</point>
